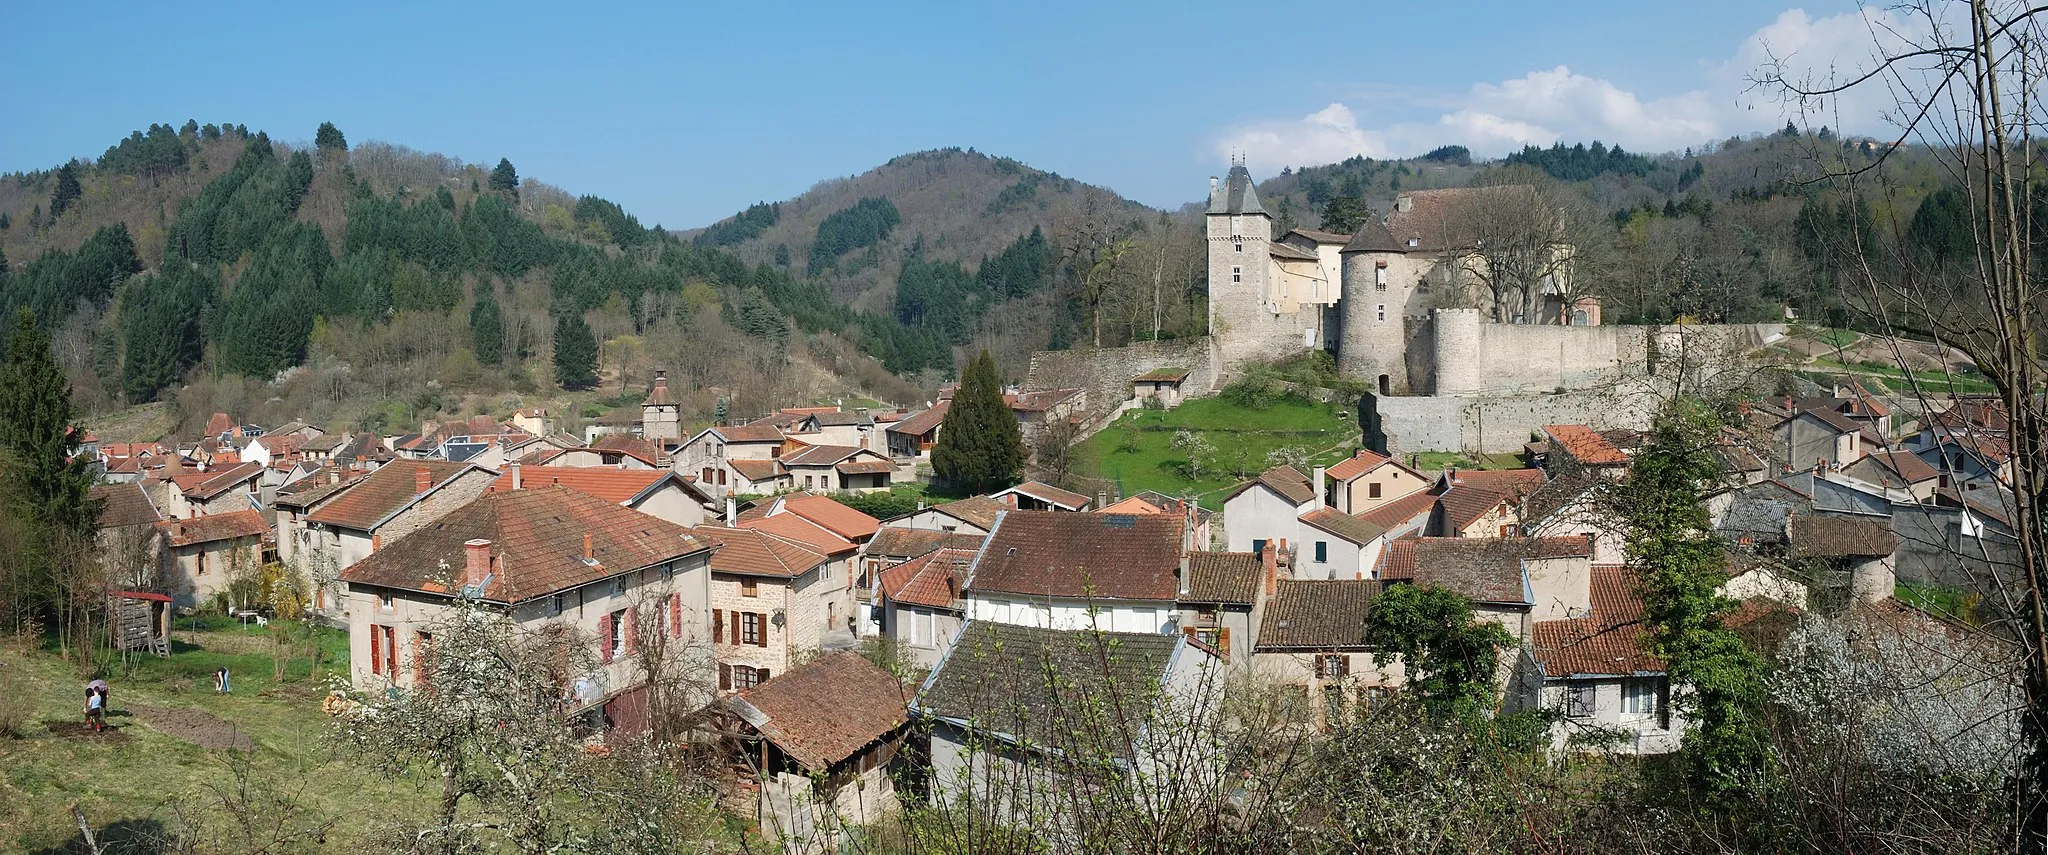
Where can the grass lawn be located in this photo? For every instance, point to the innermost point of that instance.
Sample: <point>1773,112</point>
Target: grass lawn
<point>1137,451</point>
<point>133,779</point>
<point>1900,381</point>
<point>1948,602</point>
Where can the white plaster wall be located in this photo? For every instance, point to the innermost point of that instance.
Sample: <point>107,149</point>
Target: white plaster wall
<point>1260,514</point>
<point>1106,615</point>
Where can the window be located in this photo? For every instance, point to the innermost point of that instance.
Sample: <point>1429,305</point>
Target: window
<point>1214,636</point>
<point>753,629</point>
<point>1379,278</point>
<point>1332,666</point>
<point>1372,490</point>
<point>706,475</point>
<point>744,677</point>
<point>1382,312</point>
<point>384,601</point>
<point>1639,697</point>
<point>1207,616</point>
<point>808,483</point>
<point>1237,274</point>
<point>1259,546</point>
<point>1507,531</point>
<point>1579,701</point>
<point>750,588</point>
<point>1322,552</point>
<point>384,650</point>
<point>1237,244</point>
<point>615,628</point>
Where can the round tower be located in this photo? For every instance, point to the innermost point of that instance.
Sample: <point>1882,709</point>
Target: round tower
<point>1457,351</point>
<point>1374,335</point>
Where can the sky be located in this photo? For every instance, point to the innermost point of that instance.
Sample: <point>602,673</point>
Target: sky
<point>685,112</point>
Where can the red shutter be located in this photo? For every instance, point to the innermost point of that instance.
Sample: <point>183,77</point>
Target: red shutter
<point>724,676</point>
<point>717,625</point>
<point>1344,665</point>
<point>633,623</point>
<point>391,650</point>
<point>737,638</point>
<point>376,649</point>
<point>1223,641</point>
<point>604,639</point>
<point>675,615</point>
<point>1189,631</point>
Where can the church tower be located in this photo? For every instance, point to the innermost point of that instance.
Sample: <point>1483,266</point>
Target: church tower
<point>661,417</point>
<point>1240,235</point>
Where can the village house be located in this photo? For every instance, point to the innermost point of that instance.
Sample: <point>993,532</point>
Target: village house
<point>1595,669</point>
<point>821,774</point>
<point>1823,437</point>
<point>659,493</point>
<point>973,515</point>
<point>1368,480</point>
<point>1070,571</point>
<point>1155,502</point>
<point>1221,599</point>
<point>856,429</point>
<point>1336,545</point>
<point>545,558</point>
<point>886,548</point>
<point>1160,387</point>
<point>377,510</point>
<point>733,459</point>
<point>914,435</point>
<point>922,605</point>
<point>770,601</point>
<point>1311,641</point>
<point>1267,508</point>
<point>1967,461</point>
<point>206,490</point>
<point>1581,449</point>
<point>126,537</point>
<point>203,555</point>
<point>1040,496</point>
<point>1038,409</point>
<point>1509,581</point>
<point>1900,469</point>
<point>837,467</point>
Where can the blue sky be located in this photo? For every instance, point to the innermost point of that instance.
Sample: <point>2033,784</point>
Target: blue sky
<point>685,112</point>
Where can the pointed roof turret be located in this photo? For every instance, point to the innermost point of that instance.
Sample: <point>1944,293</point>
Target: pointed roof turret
<point>658,396</point>
<point>1238,194</point>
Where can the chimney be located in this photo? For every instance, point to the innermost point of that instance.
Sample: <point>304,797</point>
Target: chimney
<point>1187,528</point>
<point>1284,556</point>
<point>1186,559</point>
<point>421,480</point>
<point>514,466</point>
<point>732,511</point>
<point>1212,186</point>
<point>376,542</point>
<point>1269,558</point>
<point>1101,499</point>
<point>476,566</point>
<point>586,546</point>
<point>1320,476</point>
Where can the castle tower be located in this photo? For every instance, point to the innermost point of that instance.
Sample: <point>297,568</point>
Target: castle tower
<point>661,417</point>
<point>1244,323</point>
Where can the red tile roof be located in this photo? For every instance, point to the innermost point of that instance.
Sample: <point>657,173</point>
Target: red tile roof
<point>1320,614</point>
<point>1343,525</point>
<point>865,467</point>
<point>823,510</point>
<point>925,421</point>
<point>611,485</point>
<point>979,511</point>
<point>1359,463</point>
<point>644,450</point>
<point>793,527</point>
<point>905,543</point>
<point>756,470</point>
<point>537,538</point>
<point>215,527</point>
<point>1224,577</point>
<point>934,579</point>
<point>213,482</point>
<point>1039,401</point>
<point>760,431</point>
<point>1464,506</point>
<point>1400,511</point>
<point>1285,480</point>
<point>827,710</point>
<point>1050,494</point>
<point>1906,465</point>
<point>1610,640</point>
<point>1584,445</point>
<point>1516,484</point>
<point>753,553</point>
<point>820,455</point>
<point>1056,554</point>
<point>383,493</point>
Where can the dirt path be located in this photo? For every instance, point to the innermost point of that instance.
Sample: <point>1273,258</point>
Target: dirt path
<point>79,730</point>
<point>198,727</point>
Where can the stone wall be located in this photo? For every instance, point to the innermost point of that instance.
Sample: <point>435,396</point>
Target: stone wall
<point>1106,374</point>
<point>1472,356</point>
<point>1501,423</point>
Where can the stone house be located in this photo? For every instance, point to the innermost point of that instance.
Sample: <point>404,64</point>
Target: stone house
<point>922,605</point>
<point>238,487</point>
<point>854,429</point>
<point>821,774</point>
<point>1510,581</point>
<point>1581,449</point>
<point>1336,545</point>
<point>1075,571</point>
<point>203,555</point>
<point>973,515</point>
<point>125,535</point>
<point>914,435</point>
<point>1367,480</point>
<point>546,558</point>
<point>1595,669</point>
<point>1968,461</point>
<point>1267,508</point>
<point>837,467</point>
<point>842,522</point>
<point>1161,386</point>
<point>377,510</point>
<point>1221,600</point>
<point>661,415</point>
<point>1040,496</point>
<point>1822,437</point>
<point>1155,502</point>
<point>1312,641</point>
<point>1464,511</point>
<point>1899,469</point>
<point>659,493</point>
<point>770,600</point>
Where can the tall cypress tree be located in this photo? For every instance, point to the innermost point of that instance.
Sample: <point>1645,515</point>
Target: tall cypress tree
<point>980,447</point>
<point>575,353</point>
<point>486,327</point>
<point>37,430</point>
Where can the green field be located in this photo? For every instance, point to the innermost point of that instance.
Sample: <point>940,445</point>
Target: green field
<point>1137,451</point>
<point>1902,382</point>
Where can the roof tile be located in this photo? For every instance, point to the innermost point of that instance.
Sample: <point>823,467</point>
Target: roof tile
<point>825,711</point>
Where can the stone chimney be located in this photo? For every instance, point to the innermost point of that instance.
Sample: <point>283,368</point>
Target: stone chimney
<point>376,542</point>
<point>1285,557</point>
<point>1270,559</point>
<point>1101,499</point>
<point>1187,528</point>
<point>514,466</point>
<point>1213,184</point>
<point>422,480</point>
<point>476,565</point>
<point>1317,482</point>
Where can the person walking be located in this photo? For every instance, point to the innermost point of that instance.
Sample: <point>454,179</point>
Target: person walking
<point>96,705</point>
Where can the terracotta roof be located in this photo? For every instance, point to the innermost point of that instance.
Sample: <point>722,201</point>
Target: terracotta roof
<point>1162,375</point>
<point>1991,449</point>
<point>1287,250</point>
<point>760,431</point>
<point>826,710</point>
<point>796,528</point>
<point>924,421</point>
<point>1152,502</point>
<point>536,537</point>
<point>1428,218</point>
<point>1909,467</point>
<point>611,485</point>
<point>837,518</point>
<point>1050,494</point>
<point>383,493</point>
<point>1464,506</point>
<point>1041,687</point>
<point>215,527</point>
<point>1343,525</point>
<point>905,543</point>
<point>755,470</point>
<point>752,553</point>
<point>1055,554</point>
<point>218,424</point>
<point>934,579</point>
<point>1515,484</point>
<point>865,467</point>
<point>1360,462</point>
<point>1321,614</point>
<point>1974,414</point>
<point>206,485</point>
<point>1841,537</point>
<point>820,455</point>
<point>1484,570</point>
<point>1562,492</point>
<point>1284,480</point>
<point>1401,511</point>
<point>980,511</point>
<point>644,450</point>
<point>124,505</point>
<point>314,487</point>
<point>1584,445</point>
<point>1609,640</point>
<point>657,395</point>
<point>1224,577</point>
<point>807,411</point>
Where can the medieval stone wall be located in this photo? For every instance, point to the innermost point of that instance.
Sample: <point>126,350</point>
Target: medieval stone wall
<point>1106,374</point>
<point>1496,423</point>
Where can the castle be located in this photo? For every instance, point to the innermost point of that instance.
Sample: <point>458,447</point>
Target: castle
<point>1394,302</point>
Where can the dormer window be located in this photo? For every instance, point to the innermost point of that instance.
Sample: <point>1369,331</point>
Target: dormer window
<point>1414,242</point>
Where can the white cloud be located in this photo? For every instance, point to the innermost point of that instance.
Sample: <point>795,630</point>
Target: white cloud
<point>1558,104</point>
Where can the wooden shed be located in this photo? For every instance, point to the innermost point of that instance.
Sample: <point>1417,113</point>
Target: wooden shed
<point>140,620</point>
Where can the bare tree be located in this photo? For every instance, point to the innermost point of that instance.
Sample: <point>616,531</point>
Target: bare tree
<point>1523,236</point>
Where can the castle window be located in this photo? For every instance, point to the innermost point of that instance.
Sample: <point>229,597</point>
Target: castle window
<point>1379,277</point>
<point>1237,244</point>
<point>1383,312</point>
<point>1237,274</point>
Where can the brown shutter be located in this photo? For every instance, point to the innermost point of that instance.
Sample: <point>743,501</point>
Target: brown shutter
<point>737,638</point>
<point>376,649</point>
<point>1188,631</point>
<point>724,676</point>
<point>1344,665</point>
<point>761,623</point>
<point>675,615</point>
<point>717,625</point>
<point>760,676</point>
<point>604,640</point>
<point>1223,641</point>
<point>632,624</point>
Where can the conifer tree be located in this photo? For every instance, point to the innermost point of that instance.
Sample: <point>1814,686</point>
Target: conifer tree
<point>575,353</point>
<point>980,447</point>
<point>486,327</point>
<point>67,190</point>
<point>330,137</point>
<point>36,429</point>
<point>505,178</point>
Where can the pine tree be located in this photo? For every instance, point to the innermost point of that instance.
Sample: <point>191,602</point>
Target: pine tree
<point>505,178</point>
<point>36,429</point>
<point>486,327</point>
<point>980,447</point>
<point>575,353</point>
<point>718,413</point>
<point>329,137</point>
<point>67,190</point>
